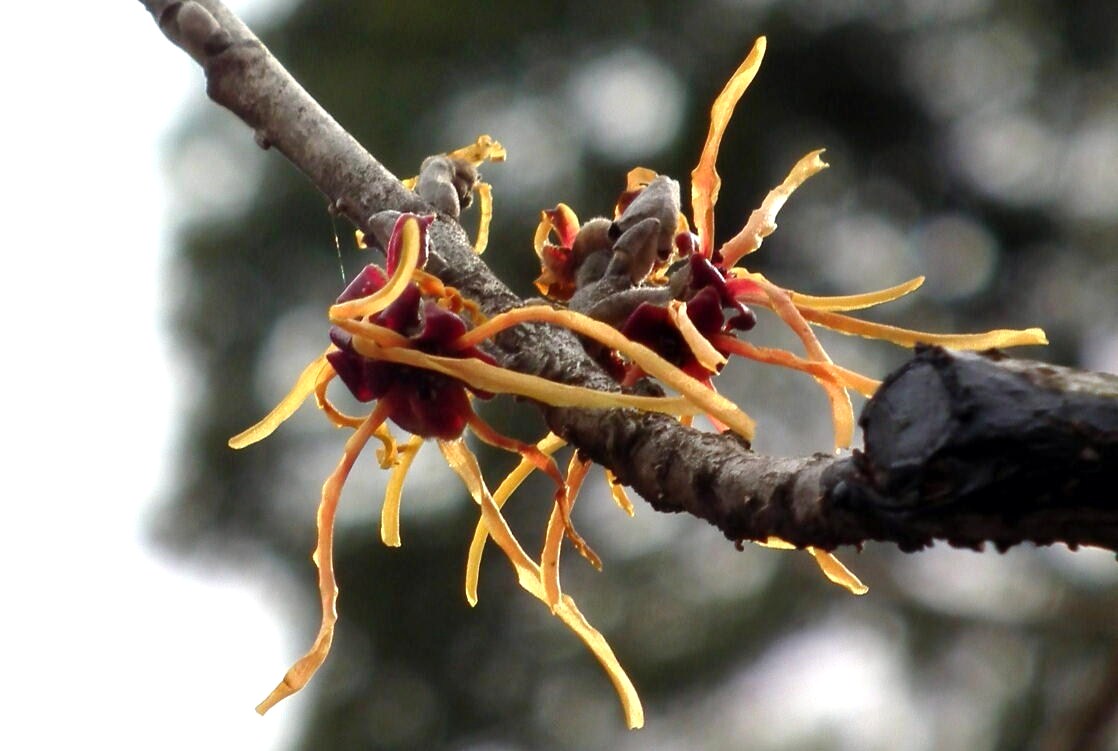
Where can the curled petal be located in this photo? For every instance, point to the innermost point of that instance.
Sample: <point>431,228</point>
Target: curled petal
<point>336,417</point>
<point>562,220</point>
<point>333,414</point>
<point>304,387</point>
<point>705,181</point>
<point>762,221</point>
<point>408,238</point>
<point>411,237</point>
<point>390,511</point>
<point>449,297</point>
<point>306,666</point>
<point>557,262</point>
<point>484,149</point>
<point>387,454</point>
<point>463,462</point>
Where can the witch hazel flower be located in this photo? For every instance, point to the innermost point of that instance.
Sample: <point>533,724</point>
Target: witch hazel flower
<point>648,292</point>
<point>411,346</point>
<point>419,401</point>
<point>688,331</point>
<point>710,265</point>
<point>693,312</point>
<point>799,311</point>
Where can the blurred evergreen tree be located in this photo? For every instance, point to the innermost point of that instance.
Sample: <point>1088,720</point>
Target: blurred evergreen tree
<point>956,133</point>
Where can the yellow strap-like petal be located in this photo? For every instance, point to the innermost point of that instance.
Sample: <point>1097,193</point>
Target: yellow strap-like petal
<point>823,316</point>
<point>306,666</point>
<point>545,464</point>
<point>304,387</point>
<point>864,385</point>
<point>387,453</point>
<point>705,181</point>
<point>620,497</point>
<point>549,558</point>
<point>464,463</point>
<point>695,392</point>
<point>776,543</point>
<point>639,177</point>
<point>556,527</point>
<point>547,445</point>
<point>333,414</point>
<point>839,574</point>
<point>486,377</point>
<point>909,337</point>
<point>410,237</point>
<point>485,216</point>
<point>831,567</point>
<point>856,302</point>
<point>484,149</point>
<point>842,410</point>
<point>704,352</point>
<point>762,222</point>
<point>390,511</point>
<point>381,335</point>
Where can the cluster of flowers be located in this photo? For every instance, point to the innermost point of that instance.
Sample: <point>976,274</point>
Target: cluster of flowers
<point>653,296</point>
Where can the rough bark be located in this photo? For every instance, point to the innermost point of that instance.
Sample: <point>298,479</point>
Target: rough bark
<point>963,448</point>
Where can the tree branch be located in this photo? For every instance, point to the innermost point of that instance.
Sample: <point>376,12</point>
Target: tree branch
<point>963,448</point>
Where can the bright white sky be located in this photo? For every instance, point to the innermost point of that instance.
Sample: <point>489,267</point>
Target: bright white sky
<point>104,640</point>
